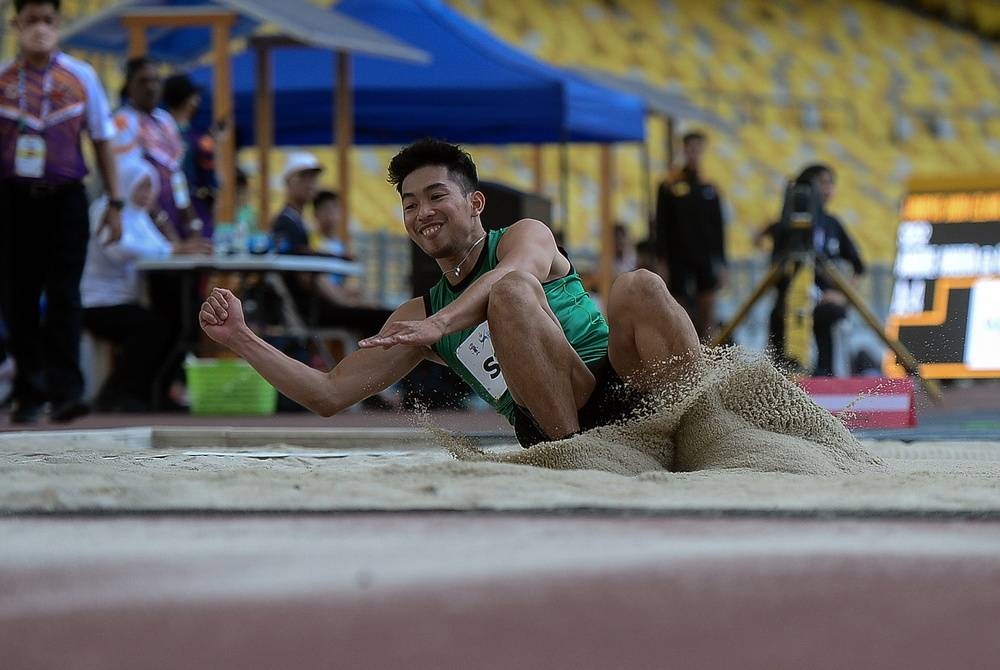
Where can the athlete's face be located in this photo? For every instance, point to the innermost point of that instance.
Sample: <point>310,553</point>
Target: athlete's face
<point>438,216</point>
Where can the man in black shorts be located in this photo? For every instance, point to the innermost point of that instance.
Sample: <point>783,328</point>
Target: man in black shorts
<point>690,236</point>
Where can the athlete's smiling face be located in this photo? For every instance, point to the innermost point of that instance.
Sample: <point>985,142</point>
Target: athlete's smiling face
<point>439,216</point>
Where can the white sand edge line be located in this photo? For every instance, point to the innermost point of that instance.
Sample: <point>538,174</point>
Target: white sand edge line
<point>831,513</point>
<point>173,437</point>
<point>133,437</point>
<point>215,437</point>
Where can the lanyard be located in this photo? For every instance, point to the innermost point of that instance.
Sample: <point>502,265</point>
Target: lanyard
<point>160,156</point>
<point>22,95</point>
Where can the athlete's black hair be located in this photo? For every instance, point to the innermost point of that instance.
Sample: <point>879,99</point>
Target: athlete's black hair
<point>430,151</point>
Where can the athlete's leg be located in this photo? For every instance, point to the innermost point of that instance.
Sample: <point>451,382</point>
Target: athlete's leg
<point>543,372</point>
<point>648,328</point>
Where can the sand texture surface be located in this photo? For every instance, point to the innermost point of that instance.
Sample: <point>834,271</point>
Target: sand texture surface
<point>929,477</point>
<point>736,437</point>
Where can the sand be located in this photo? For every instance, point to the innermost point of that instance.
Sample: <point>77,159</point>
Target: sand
<point>936,478</point>
<point>736,437</point>
<point>734,411</point>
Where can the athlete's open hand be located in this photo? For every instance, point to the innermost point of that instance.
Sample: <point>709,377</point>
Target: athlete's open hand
<point>421,333</point>
<point>221,316</point>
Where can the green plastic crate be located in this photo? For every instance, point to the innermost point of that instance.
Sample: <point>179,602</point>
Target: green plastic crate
<point>228,386</point>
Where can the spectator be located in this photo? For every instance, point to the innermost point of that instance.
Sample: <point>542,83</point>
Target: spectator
<point>326,210</point>
<point>288,231</point>
<point>246,213</point>
<point>322,301</point>
<point>144,131</point>
<point>690,236</point>
<point>832,242</point>
<point>182,99</point>
<point>110,291</point>
<point>49,100</point>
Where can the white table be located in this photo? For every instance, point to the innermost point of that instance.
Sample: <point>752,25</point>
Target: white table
<point>253,263</point>
<point>189,267</point>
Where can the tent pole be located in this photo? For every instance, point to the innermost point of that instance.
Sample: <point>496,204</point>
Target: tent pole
<point>538,166</point>
<point>344,133</point>
<point>607,266</point>
<point>137,44</point>
<point>646,170</point>
<point>222,99</point>
<point>669,125</point>
<point>264,132</point>
<point>564,188</point>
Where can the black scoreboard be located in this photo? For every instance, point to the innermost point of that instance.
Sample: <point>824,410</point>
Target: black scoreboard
<point>946,299</point>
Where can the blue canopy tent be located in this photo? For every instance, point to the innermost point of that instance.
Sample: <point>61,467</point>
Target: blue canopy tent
<point>476,90</point>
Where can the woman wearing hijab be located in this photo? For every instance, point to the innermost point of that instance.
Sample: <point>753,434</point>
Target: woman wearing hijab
<point>110,290</point>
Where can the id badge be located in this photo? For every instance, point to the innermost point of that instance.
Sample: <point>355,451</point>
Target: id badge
<point>178,184</point>
<point>477,355</point>
<point>29,160</point>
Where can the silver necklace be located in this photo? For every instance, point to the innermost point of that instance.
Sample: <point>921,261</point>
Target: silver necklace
<point>457,270</point>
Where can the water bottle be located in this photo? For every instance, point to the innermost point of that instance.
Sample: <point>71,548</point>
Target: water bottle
<point>240,237</point>
<point>222,239</point>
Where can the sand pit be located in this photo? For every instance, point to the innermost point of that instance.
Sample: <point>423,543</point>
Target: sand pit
<point>736,437</point>
<point>96,474</point>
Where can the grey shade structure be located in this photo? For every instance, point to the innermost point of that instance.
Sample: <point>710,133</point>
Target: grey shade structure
<point>181,31</point>
<point>657,100</point>
<point>295,19</point>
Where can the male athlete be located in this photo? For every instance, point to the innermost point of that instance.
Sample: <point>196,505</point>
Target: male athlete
<point>509,315</point>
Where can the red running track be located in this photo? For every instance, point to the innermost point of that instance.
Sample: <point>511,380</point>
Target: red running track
<point>496,591</point>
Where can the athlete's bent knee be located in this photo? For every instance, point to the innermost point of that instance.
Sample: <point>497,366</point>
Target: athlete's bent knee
<point>515,291</point>
<point>638,289</point>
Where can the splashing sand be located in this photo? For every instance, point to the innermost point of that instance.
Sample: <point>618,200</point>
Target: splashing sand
<point>736,410</point>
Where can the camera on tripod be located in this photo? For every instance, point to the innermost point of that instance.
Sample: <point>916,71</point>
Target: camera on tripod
<point>799,214</point>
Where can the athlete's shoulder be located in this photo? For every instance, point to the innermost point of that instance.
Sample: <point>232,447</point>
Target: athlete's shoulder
<point>528,226</point>
<point>525,232</point>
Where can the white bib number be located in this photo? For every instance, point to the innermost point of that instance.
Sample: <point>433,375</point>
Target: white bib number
<point>477,355</point>
<point>178,184</point>
<point>29,159</point>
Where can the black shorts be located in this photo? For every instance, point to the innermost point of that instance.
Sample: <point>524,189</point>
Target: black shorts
<point>610,402</point>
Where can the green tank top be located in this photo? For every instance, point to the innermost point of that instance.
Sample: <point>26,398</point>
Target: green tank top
<point>470,352</point>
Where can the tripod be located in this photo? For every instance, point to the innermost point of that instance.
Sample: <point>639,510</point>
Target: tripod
<point>791,264</point>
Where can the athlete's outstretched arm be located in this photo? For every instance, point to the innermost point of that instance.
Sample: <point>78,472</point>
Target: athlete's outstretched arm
<point>527,246</point>
<point>359,375</point>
